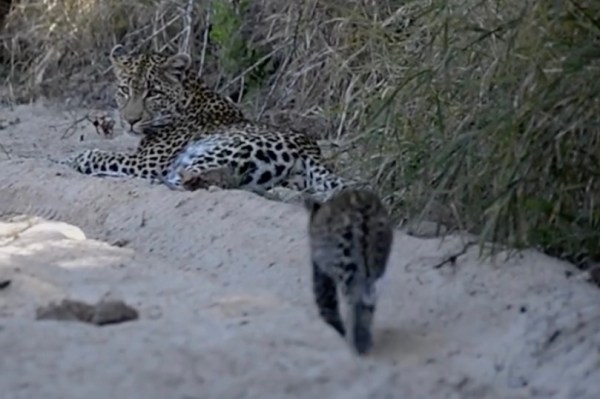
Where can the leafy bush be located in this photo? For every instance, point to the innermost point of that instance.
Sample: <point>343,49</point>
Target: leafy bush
<point>235,54</point>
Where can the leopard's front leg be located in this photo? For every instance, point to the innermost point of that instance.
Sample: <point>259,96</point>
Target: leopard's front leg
<point>97,162</point>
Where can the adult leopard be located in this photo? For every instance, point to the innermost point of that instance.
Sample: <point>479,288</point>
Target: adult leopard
<point>186,127</point>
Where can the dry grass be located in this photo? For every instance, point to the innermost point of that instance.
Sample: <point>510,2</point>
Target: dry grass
<point>484,113</point>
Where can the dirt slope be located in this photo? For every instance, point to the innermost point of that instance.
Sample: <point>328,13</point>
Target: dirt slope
<point>221,280</point>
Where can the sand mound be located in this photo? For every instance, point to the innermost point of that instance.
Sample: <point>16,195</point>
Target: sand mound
<point>222,286</point>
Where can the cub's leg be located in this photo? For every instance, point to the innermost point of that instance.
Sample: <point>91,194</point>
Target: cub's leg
<point>324,288</point>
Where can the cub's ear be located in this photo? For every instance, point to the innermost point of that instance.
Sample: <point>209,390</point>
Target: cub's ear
<point>176,66</point>
<point>311,205</point>
<point>117,53</point>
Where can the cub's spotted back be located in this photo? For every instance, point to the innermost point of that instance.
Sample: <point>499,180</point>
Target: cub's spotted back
<point>350,240</point>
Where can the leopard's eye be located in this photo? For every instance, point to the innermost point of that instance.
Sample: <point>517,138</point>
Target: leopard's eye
<point>124,90</point>
<point>153,93</point>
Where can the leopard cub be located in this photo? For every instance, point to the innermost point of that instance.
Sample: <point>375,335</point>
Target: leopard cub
<point>350,239</point>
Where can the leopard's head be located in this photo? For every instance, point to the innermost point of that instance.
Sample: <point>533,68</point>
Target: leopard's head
<point>150,92</point>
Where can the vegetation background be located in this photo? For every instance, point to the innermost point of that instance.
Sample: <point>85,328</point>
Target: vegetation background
<point>483,114</point>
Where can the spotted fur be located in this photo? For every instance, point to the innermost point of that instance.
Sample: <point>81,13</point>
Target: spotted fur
<point>185,129</point>
<point>350,241</point>
<point>260,158</point>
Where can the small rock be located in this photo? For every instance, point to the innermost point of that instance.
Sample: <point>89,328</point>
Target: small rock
<point>4,284</point>
<point>121,242</point>
<point>103,313</point>
<point>66,310</point>
<point>112,312</point>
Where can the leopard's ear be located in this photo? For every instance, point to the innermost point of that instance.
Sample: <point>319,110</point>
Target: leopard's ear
<point>117,53</point>
<point>176,66</point>
<point>119,58</point>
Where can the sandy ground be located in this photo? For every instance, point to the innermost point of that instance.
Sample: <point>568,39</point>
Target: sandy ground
<point>222,285</point>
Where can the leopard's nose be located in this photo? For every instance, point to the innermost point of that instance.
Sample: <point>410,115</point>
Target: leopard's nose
<point>133,121</point>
